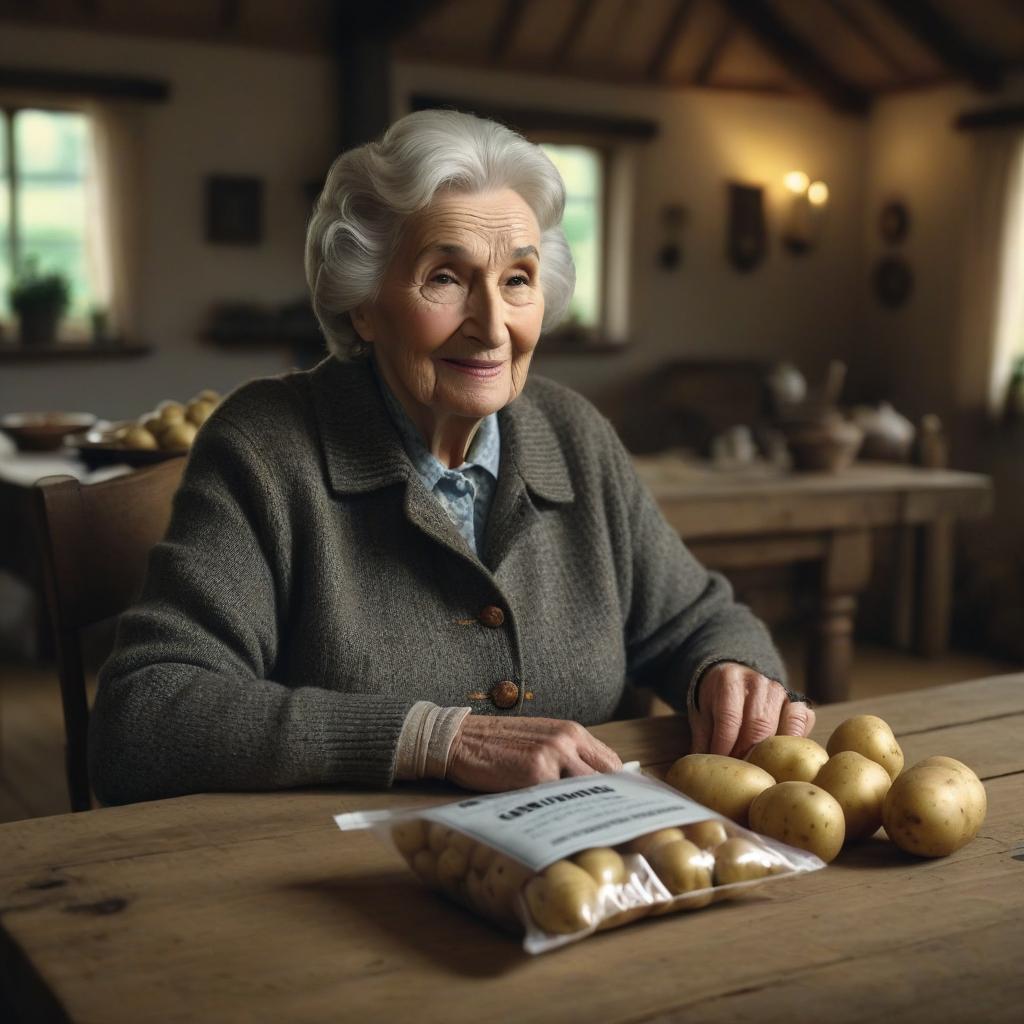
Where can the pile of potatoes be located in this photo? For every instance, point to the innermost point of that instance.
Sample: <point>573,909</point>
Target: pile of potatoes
<point>171,426</point>
<point>819,799</point>
<point>600,887</point>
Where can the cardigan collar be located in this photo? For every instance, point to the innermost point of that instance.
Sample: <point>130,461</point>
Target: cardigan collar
<point>363,452</point>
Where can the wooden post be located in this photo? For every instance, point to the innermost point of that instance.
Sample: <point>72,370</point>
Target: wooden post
<point>935,599</point>
<point>844,575</point>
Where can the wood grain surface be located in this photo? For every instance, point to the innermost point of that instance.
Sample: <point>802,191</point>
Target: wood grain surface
<point>254,907</point>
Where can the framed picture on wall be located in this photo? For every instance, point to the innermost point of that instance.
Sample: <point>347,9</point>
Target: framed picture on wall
<point>234,210</point>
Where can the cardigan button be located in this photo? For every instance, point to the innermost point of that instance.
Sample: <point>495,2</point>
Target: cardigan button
<point>505,694</point>
<point>491,616</point>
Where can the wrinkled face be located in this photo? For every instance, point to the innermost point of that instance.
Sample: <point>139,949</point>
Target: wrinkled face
<point>460,308</point>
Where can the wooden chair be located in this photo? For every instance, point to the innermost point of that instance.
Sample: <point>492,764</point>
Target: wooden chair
<point>94,541</point>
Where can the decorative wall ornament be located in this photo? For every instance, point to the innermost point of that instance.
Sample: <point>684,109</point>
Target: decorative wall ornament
<point>893,280</point>
<point>234,210</point>
<point>894,222</point>
<point>747,239</point>
<point>673,220</point>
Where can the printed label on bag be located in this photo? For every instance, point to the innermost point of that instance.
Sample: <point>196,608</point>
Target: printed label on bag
<point>544,823</point>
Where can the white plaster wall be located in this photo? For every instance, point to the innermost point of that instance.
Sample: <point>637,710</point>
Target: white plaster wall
<point>915,154</point>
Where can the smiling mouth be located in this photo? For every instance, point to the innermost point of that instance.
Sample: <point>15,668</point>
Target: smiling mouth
<point>475,367</point>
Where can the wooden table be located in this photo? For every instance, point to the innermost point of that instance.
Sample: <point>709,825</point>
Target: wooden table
<point>254,907</point>
<point>759,517</point>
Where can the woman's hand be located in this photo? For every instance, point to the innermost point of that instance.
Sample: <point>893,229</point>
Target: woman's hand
<point>491,755</point>
<point>740,707</point>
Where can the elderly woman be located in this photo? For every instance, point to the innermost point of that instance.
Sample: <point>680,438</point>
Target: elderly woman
<point>405,563</point>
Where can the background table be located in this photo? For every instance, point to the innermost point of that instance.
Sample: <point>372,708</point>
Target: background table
<point>254,908</point>
<point>756,517</point>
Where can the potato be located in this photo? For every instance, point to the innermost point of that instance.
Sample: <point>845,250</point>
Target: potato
<point>725,784</point>
<point>139,439</point>
<point>424,863</point>
<point>684,867</point>
<point>933,809</point>
<point>740,860</point>
<point>437,836</point>
<point>645,843</point>
<point>801,814</point>
<point>475,893</point>
<point>461,842</point>
<point>198,412</point>
<point>789,758</point>
<point>177,435</point>
<point>859,785</point>
<point>603,864</point>
<point>452,865</point>
<point>153,424</point>
<point>502,882</point>
<point>563,899</point>
<point>171,412</point>
<point>870,736</point>
<point>706,834</point>
<point>481,858</point>
<point>208,395</point>
<point>409,836</point>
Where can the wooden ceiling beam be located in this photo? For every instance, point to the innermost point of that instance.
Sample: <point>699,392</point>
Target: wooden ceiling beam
<point>709,61</point>
<point>389,20</point>
<point>674,30</point>
<point>874,41</point>
<point>573,30</point>
<point>944,39</point>
<point>504,32</point>
<point>230,17</point>
<point>798,55</point>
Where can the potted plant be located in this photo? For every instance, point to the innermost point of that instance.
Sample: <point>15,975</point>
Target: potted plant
<point>39,300</point>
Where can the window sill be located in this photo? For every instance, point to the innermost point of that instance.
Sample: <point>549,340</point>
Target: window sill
<point>14,353</point>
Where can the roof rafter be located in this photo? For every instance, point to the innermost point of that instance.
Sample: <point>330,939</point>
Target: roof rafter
<point>573,30</point>
<point>674,30</point>
<point>709,61</point>
<point>798,55</point>
<point>947,42</point>
<point>870,36</point>
<point>505,30</point>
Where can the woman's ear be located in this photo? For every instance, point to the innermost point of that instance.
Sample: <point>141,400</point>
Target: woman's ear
<point>362,322</point>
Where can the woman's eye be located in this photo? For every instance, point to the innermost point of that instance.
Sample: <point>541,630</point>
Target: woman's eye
<point>518,280</point>
<point>442,278</point>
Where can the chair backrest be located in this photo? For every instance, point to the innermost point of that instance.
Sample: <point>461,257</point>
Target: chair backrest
<point>94,542</point>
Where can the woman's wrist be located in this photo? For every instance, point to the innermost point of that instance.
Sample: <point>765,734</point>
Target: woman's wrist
<point>426,740</point>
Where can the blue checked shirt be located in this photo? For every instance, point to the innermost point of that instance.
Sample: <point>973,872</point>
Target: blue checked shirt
<point>465,493</point>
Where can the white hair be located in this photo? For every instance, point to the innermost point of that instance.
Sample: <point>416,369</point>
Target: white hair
<point>370,192</point>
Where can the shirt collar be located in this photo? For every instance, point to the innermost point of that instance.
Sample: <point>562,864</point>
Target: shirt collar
<point>484,452</point>
<point>362,451</point>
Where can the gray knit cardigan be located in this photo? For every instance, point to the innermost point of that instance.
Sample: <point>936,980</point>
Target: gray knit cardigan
<point>310,590</point>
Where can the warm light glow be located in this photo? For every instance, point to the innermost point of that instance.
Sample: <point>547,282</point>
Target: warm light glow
<point>817,193</point>
<point>797,182</point>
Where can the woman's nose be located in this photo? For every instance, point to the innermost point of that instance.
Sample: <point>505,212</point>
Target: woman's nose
<point>485,316</point>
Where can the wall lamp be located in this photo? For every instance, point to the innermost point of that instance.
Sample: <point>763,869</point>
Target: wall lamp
<point>801,230</point>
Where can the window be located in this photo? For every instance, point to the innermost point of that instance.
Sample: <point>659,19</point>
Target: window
<point>45,189</point>
<point>583,168</point>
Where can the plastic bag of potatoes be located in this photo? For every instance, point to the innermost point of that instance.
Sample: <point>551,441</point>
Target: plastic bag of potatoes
<point>564,859</point>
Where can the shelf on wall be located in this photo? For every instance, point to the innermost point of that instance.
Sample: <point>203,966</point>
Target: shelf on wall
<point>14,353</point>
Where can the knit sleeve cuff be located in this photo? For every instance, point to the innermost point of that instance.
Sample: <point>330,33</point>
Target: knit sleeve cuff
<point>425,742</point>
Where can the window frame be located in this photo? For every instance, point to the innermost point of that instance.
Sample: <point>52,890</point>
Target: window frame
<point>72,327</point>
<point>604,149</point>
